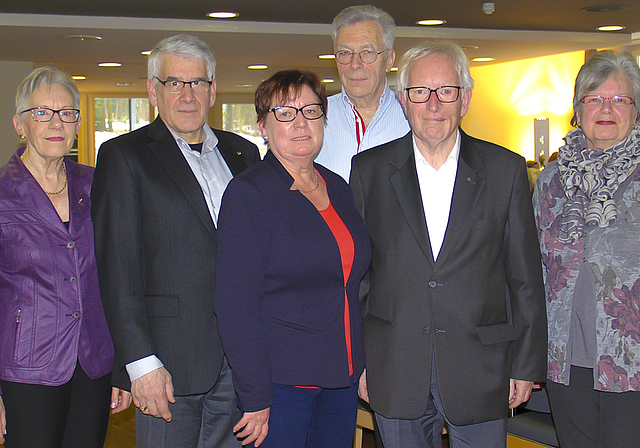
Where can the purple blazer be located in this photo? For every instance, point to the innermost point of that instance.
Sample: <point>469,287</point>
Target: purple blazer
<point>51,315</point>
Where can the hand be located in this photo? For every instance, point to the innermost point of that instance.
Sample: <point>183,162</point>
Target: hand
<point>3,421</point>
<point>519,392</point>
<point>363,391</point>
<point>253,426</point>
<point>120,400</point>
<point>153,392</point>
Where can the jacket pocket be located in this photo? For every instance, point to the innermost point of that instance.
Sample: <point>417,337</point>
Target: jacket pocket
<point>294,325</point>
<point>376,328</point>
<point>162,305</point>
<point>496,333</point>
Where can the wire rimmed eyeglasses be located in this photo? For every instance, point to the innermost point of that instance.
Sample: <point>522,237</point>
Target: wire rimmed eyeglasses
<point>177,86</point>
<point>445,94</point>
<point>44,114</point>
<point>616,100</point>
<point>367,56</point>
<point>286,114</point>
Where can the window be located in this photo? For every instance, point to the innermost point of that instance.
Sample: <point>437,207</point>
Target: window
<point>117,116</point>
<point>241,119</point>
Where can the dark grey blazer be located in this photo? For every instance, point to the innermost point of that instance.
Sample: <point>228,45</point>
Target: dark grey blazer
<point>156,250</point>
<point>479,310</point>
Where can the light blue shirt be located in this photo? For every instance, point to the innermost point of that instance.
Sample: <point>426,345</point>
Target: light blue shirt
<point>340,143</point>
<point>213,175</point>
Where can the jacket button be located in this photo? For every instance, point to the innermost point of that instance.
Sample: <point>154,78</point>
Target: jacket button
<point>426,330</point>
<point>76,314</point>
<point>71,244</point>
<point>73,279</point>
<point>433,284</point>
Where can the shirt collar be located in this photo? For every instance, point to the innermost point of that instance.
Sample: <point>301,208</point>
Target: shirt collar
<point>208,144</point>
<point>453,156</point>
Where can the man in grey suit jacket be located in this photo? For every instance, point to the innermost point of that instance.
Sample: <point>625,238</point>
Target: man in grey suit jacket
<point>455,324</point>
<point>156,196</point>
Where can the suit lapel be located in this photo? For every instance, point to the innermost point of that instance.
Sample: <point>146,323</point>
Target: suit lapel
<point>466,191</point>
<point>407,191</point>
<point>166,150</point>
<point>79,190</point>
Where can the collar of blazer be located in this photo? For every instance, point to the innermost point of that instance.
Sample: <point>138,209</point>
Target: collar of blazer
<point>166,150</point>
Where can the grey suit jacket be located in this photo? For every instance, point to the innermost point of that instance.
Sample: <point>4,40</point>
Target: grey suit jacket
<point>156,250</point>
<point>478,310</point>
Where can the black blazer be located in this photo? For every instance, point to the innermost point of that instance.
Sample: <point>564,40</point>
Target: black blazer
<point>156,250</point>
<point>478,310</point>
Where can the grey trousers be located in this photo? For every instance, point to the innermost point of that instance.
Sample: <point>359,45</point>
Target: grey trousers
<point>199,421</point>
<point>426,431</point>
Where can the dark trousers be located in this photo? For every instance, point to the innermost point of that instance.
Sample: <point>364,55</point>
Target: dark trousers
<point>587,418</point>
<point>312,418</point>
<point>75,414</point>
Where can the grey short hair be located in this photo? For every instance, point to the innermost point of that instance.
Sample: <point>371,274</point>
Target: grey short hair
<point>598,69</point>
<point>364,13</point>
<point>445,47</point>
<point>46,76</point>
<point>185,46</point>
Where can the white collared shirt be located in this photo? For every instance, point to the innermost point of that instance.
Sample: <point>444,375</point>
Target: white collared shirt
<point>209,167</point>
<point>436,190</point>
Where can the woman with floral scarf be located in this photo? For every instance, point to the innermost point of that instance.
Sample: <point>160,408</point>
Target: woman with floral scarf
<point>587,207</point>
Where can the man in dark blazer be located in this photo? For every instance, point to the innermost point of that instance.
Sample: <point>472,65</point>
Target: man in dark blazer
<point>156,196</point>
<point>454,321</point>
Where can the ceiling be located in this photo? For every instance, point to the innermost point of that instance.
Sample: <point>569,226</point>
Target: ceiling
<point>289,33</point>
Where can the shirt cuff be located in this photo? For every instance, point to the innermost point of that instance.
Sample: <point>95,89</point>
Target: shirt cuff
<point>141,367</point>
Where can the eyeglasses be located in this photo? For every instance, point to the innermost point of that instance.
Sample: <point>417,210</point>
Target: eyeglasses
<point>44,114</point>
<point>445,94</point>
<point>368,56</point>
<point>598,101</point>
<point>286,114</point>
<point>177,86</point>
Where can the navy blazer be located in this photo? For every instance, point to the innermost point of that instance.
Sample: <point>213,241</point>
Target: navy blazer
<point>279,286</point>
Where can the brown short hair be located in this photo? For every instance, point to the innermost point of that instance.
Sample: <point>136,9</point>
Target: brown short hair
<point>286,85</point>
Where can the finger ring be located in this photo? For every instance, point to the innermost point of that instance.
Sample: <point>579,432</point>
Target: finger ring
<point>143,408</point>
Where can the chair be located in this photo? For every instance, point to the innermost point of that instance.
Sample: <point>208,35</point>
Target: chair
<point>532,422</point>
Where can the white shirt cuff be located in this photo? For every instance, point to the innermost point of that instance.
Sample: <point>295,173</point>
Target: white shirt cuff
<point>141,367</point>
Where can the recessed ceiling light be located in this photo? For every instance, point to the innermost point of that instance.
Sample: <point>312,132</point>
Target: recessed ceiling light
<point>431,22</point>
<point>81,37</point>
<point>469,47</point>
<point>146,52</point>
<point>394,69</point>
<point>109,64</point>
<point>328,80</point>
<point>258,67</point>
<point>244,85</point>
<point>124,84</point>
<point>223,15</point>
<point>79,77</point>
<point>327,56</point>
<point>611,28</point>
<point>483,59</point>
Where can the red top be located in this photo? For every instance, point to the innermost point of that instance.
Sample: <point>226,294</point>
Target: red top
<point>347,251</point>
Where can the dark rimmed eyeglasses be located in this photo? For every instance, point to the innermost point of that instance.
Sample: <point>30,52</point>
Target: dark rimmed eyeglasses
<point>44,114</point>
<point>285,114</point>
<point>445,94</point>
<point>367,56</point>
<point>177,86</point>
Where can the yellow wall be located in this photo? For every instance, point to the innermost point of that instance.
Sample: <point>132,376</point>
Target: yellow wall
<point>508,97</point>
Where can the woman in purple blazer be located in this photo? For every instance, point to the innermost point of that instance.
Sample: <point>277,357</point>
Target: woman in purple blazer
<point>292,251</point>
<point>56,353</point>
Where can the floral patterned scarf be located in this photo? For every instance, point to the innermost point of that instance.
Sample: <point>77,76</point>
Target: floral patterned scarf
<point>590,177</point>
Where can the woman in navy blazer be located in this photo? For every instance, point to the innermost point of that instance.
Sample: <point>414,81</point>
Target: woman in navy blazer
<point>289,236</point>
